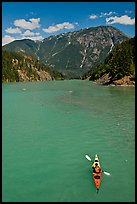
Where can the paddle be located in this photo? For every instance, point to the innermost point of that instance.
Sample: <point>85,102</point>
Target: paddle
<point>88,158</point>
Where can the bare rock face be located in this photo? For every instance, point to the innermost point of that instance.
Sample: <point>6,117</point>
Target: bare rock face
<point>126,80</point>
<point>23,75</point>
<point>15,62</point>
<point>105,79</point>
<point>44,76</point>
<point>21,67</point>
<point>41,76</point>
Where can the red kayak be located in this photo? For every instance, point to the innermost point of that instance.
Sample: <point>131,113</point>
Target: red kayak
<point>97,176</point>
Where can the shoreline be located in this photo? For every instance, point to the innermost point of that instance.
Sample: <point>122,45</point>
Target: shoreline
<point>124,85</point>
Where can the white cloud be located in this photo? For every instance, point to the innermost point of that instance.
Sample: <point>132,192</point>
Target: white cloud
<point>34,38</point>
<point>125,20</point>
<point>13,30</point>
<point>7,39</point>
<point>107,14</point>
<point>57,27</point>
<point>32,24</point>
<point>93,16</point>
<point>29,33</point>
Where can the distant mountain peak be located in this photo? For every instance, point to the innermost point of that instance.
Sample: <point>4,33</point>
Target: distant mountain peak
<point>73,53</point>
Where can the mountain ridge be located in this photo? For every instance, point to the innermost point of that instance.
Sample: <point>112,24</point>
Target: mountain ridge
<point>20,67</point>
<point>72,53</point>
<point>118,67</point>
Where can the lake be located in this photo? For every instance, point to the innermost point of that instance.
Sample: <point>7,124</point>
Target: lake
<point>49,127</point>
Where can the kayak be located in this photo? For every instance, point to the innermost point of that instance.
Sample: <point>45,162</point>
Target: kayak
<point>97,176</point>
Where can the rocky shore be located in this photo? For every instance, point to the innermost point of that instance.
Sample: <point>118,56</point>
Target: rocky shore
<point>125,81</point>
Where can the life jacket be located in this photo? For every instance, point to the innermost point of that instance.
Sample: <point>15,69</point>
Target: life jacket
<point>97,169</point>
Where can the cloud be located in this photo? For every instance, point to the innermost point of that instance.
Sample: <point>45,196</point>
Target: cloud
<point>57,27</point>
<point>34,38</point>
<point>125,20</point>
<point>29,33</point>
<point>107,14</point>
<point>7,39</point>
<point>32,24</point>
<point>13,30</point>
<point>93,16</point>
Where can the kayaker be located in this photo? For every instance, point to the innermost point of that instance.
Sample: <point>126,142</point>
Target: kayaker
<point>96,168</point>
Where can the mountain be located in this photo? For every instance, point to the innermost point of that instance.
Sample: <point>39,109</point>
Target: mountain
<point>72,53</point>
<point>119,66</point>
<point>21,67</point>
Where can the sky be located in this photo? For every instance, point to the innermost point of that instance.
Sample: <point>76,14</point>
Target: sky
<point>39,20</point>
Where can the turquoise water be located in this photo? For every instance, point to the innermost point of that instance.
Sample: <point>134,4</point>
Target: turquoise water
<point>48,129</point>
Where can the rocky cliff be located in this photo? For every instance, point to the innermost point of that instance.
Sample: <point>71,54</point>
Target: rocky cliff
<point>18,67</point>
<point>118,67</point>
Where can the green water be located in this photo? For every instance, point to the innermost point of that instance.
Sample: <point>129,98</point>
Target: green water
<point>48,129</point>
